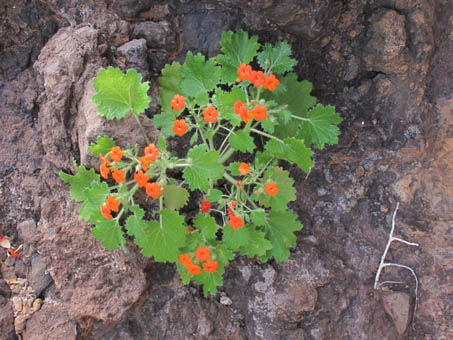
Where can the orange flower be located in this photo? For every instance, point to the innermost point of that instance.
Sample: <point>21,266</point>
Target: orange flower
<point>238,106</point>
<point>112,203</point>
<point>185,260</point>
<point>144,162</point>
<point>230,212</point>
<point>104,169</point>
<point>153,190</point>
<point>245,115</point>
<point>244,72</point>
<point>106,212</point>
<point>259,112</point>
<point>190,229</point>
<point>233,204</point>
<point>210,267</point>
<point>271,189</point>
<point>205,206</point>
<point>141,178</point>
<point>177,103</point>
<point>210,114</point>
<point>271,82</point>
<point>202,254</point>
<point>116,154</point>
<point>151,153</point>
<point>235,222</point>
<point>257,78</point>
<point>118,175</point>
<point>243,168</point>
<point>180,127</point>
<point>194,269</point>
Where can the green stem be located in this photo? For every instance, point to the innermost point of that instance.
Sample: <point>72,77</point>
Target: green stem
<point>301,118</point>
<point>266,135</point>
<point>226,155</point>
<point>141,128</point>
<point>233,182</point>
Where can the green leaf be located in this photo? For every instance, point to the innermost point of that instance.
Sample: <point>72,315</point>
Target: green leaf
<point>169,85</point>
<point>164,121</point>
<point>163,241</point>
<point>103,145</point>
<point>258,217</point>
<point>257,244</point>
<point>292,150</point>
<point>162,144</point>
<point>108,231</point>
<point>237,48</point>
<point>210,281</point>
<point>214,195</point>
<point>204,167</point>
<point>206,224</point>
<point>95,197</point>
<point>234,239</point>
<point>233,168</point>
<point>322,126</point>
<point>81,182</point>
<point>194,138</point>
<point>175,197</point>
<point>276,59</point>
<point>119,93</point>
<point>135,225</point>
<point>280,228</point>
<point>198,76</point>
<point>224,101</point>
<point>286,191</point>
<point>242,141</point>
<point>297,97</point>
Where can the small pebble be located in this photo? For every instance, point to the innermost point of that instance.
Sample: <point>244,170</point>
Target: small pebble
<point>36,305</point>
<point>225,300</point>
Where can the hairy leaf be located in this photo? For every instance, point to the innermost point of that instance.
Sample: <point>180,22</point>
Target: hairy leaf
<point>170,84</point>
<point>119,93</point>
<point>81,182</point>
<point>237,48</point>
<point>242,141</point>
<point>276,58</point>
<point>198,76</point>
<point>321,128</point>
<point>204,167</point>
<point>293,150</point>
<point>163,241</point>
<point>103,145</point>
<point>175,197</point>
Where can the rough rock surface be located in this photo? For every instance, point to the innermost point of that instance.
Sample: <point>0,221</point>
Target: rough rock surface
<point>385,64</point>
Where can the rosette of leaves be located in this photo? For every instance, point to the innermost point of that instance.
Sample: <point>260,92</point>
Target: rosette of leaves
<point>294,125</point>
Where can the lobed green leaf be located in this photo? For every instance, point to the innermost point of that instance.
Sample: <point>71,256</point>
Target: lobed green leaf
<point>119,93</point>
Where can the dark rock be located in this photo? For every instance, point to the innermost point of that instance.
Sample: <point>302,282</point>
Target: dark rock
<point>133,54</point>
<point>27,231</point>
<point>39,275</point>
<point>6,319</point>
<point>397,306</point>
<point>128,9</point>
<point>54,320</point>
<point>158,35</point>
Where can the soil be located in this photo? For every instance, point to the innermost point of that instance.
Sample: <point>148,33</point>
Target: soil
<point>387,67</point>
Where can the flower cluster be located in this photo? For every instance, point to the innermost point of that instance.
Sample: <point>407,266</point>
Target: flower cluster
<point>111,204</point>
<point>257,78</point>
<point>203,255</point>
<point>258,112</point>
<point>115,154</point>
